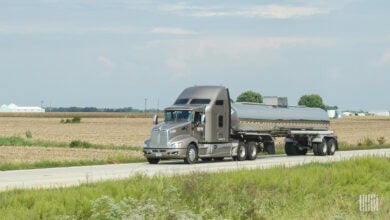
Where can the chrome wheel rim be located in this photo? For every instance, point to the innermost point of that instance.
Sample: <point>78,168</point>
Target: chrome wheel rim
<point>192,154</point>
<point>324,149</point>
<point>333,148</point>
<point>241,152</point>
<point>253,151</point>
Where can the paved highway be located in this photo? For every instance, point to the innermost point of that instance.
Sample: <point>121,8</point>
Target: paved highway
<point>72,176</point>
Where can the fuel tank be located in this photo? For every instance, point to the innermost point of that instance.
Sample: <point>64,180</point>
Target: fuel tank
<point>276,120</point>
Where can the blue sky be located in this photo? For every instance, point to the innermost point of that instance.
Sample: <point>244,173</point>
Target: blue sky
<point>116,53</point>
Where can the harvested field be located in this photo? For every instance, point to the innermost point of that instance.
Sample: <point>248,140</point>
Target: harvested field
<point>105,131</point>
<point>353,130</point>
<point>38,154</point>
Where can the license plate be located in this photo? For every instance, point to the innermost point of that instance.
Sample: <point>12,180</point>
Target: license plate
<point>158,154</point>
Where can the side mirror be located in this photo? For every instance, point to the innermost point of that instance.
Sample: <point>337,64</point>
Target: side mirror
<point>155,119</point>
<point>203,119</point>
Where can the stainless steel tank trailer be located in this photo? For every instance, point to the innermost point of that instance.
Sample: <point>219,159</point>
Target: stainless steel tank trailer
<point>203,123</point>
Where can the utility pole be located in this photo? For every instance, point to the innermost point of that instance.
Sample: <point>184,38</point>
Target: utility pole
<point>146,105</point>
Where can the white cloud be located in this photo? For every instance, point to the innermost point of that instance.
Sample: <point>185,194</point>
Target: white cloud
<point>264,11</point>
<point>185,57</point>
<point>105,61</point>
<point>42,29</point>
<point>173,31</point>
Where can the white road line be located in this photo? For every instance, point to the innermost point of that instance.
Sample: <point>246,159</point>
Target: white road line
<point>73,176</point>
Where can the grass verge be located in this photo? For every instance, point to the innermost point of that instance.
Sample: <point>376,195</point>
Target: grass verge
<point>18,141</point>
<point>313,191</point>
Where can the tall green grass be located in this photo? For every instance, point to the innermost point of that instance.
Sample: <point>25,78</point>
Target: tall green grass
<point>314,191</point>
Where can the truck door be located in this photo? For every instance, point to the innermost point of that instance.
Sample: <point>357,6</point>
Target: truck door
<point>222,125</point>
<point>199,128</point>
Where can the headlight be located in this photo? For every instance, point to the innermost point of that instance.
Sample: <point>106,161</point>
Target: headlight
<point>177,145</point>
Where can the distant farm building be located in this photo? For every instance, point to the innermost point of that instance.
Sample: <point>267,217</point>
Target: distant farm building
<point>332,112</point>
<point>14,108</point>
<point>379,113</point>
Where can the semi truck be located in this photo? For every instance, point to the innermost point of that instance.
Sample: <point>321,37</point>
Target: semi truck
<point>203,123</point>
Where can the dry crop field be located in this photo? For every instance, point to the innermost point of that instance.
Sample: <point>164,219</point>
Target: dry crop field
<point>352,130</point>
<point>105,131</point>
<point>120,130</point>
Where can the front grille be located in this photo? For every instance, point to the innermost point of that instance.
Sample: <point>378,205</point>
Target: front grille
<point>159,139</point>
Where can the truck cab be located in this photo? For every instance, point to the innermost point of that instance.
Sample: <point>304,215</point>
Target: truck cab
<point>196,126</point>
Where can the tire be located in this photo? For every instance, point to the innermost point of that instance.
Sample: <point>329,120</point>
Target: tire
<point>153,160</point>
<point>218,158</point>
<point>290,149</point>
<point>207,159</point>
<point>251,151</point>
<point>269,147</point>
<point>191,155</point>
<point>331,146</point>
<point>322,148</point>
<point>241,152</point>
<point>315,148</point>
<point>301,151</point>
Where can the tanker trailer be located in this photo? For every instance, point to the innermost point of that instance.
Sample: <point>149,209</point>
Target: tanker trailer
<point>203,123</point>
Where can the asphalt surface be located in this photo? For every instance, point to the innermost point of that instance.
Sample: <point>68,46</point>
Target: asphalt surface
<point>72,176</point>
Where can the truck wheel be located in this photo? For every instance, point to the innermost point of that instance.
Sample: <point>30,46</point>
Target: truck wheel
<point>315,148</point>
<point>290,149</point>
<point>218,158</point>
<point>322,148</point>
<point>331,146</point>
<point>252,151</point>
<point>301,151</point>
<point>269,147</point>
<point>241,152</point>
<point>153,160</point>
<point>191,155</point>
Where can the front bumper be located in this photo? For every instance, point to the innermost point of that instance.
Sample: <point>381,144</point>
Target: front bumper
<point>165,153</point>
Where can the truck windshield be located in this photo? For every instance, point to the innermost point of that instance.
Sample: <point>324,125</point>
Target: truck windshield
<point>178,115</point>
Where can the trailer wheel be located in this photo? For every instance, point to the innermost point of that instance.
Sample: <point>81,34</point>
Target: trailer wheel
<point>301,151</point>
<point>331,146</point>
<point>241,152</point>
<point>315,149</point>
<point>269,147</point>
<point>252,151</point>
<point>153,160</point>
<point>191,155</point>
<point>322,148</point>
<point>290,149</point>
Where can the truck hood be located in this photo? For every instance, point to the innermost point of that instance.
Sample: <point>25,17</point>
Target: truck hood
<point>178,126</point>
